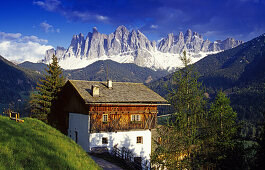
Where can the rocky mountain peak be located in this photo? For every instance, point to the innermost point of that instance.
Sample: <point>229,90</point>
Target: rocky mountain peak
<point>60,48</point>
<point>188,33</point>
<point>135,47</point>
<point>122,29</point>
<point>193,42</point>
<point>95,30</point>
<point>121,33</point>
<point>181,35</point>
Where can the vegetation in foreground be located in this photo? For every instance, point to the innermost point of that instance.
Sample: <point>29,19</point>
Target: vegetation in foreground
<point>198,135</point>
<point>47,91</point>
<point>35,145</point>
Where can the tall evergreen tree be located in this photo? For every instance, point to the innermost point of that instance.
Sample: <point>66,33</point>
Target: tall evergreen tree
<point>180,139</point>
<point>260,155</point>
<point>222,131</point>
<point>223,118</point>
<point>47,90</point>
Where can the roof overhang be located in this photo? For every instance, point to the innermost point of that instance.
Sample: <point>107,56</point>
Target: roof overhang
<point>150,104</point>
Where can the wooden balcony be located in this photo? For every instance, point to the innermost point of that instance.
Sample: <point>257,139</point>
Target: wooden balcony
<point>122,123</point>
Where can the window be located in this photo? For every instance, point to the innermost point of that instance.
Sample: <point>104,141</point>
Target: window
<point>139,139</point>
<point>104,140</point>
<point>105,118</point>
<point>76,136</point>
<point>135,118</point>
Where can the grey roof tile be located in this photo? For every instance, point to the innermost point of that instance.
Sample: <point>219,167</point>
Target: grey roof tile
<point>121,92</point>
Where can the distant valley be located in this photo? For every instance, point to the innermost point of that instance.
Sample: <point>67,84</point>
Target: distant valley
<point>101,70</point>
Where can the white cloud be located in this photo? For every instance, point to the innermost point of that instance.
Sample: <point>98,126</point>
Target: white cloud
<point>49,5</point>
<point>34,39</point>
<point>22,48</point>
<point>69,13</point>
<point>9,36</point>
<point>46,27</point>
<point>154,26</point>
<point>101,18</point>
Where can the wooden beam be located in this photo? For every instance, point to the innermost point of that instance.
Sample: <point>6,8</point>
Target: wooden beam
<point>129,104</point>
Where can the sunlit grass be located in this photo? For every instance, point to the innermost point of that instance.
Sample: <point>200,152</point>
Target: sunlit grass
<point>35,145</point>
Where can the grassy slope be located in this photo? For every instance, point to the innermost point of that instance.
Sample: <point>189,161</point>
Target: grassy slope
<point>35,145</point>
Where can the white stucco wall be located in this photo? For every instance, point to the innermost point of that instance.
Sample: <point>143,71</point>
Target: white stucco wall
<point>124,139</point>
<point>79,123</point>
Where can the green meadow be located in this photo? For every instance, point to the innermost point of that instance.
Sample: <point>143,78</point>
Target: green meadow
<point>36,145</point>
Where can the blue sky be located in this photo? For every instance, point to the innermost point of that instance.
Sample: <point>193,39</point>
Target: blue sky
<point>31,27</point>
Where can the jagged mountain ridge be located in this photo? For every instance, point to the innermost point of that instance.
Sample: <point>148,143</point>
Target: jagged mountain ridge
<point>239,72</point>
<point>124,46</point>
<point>193,42</point>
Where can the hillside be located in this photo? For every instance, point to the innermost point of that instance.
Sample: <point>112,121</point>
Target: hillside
<point>124,72</point>
<point>35,145</point>
<point>33,66</point>
<point>15,82</point>
<point>240,66</point>
<point>239,72</point>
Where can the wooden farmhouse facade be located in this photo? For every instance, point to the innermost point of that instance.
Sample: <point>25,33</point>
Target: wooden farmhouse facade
<point>105,114</point>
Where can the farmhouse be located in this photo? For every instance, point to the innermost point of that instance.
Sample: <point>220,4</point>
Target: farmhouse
<point>105,114</point>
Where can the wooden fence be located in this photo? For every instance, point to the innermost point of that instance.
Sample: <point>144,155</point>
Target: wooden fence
<point>130,159</point>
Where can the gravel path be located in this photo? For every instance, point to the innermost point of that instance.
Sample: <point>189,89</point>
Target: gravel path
<point>105,164</point>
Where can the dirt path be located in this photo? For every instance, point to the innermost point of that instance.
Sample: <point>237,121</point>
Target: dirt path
<point>105,164</point>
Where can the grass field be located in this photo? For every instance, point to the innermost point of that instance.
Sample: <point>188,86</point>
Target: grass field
<point>35,145</point>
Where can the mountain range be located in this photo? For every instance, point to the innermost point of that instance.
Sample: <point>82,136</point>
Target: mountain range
<point>101,70</point>
<point>126,46</point>
<point>239,72</point>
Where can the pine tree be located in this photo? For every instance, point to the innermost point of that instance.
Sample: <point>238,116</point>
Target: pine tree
<point>223,128</point>
<point>47,90</point>
<point>181,137</point>
<point>223,118</point>
<point>260,155</point>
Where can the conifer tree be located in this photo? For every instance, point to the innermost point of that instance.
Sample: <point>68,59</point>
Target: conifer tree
<point>260,155</point>
<point>223,118</point>
<point>222,130</point>
<point>47,90</point>
<point>180,139</point>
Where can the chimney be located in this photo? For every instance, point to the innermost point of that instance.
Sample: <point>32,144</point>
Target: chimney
<point>95,90</point>
<point>109,84</point>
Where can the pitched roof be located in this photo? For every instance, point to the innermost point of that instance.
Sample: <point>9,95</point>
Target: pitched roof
<point>121,92</point>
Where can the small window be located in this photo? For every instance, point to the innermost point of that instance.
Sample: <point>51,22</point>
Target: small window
<point>135,118</point>
<point>104,140</point>
<point>105,118</point>
<point>139,139</point>
<point>76,136</point>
